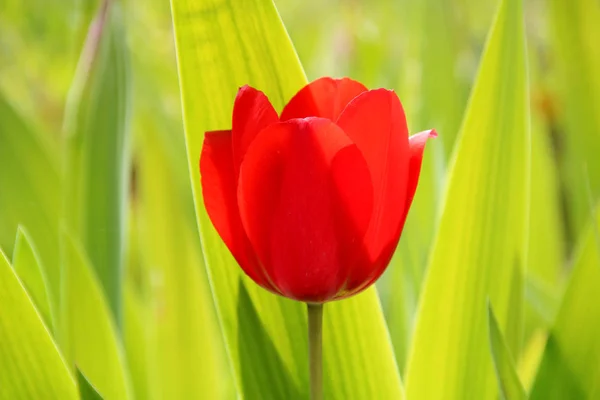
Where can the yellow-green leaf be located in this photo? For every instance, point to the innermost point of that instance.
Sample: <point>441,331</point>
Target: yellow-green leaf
<point>481,236</point>
<point>31,366</point>
<point>221,46</point>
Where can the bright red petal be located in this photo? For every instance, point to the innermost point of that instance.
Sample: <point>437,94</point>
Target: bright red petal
<point>305,198</point>
<point>252,112</point>
<point>325,98</point>
<point>375,121</point>
<point>219,193</point>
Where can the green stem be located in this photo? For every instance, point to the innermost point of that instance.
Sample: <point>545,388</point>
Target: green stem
<point>315,350</point>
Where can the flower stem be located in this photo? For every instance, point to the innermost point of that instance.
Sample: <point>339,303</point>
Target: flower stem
<point>315,350</point>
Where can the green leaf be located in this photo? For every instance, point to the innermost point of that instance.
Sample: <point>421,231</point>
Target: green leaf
<point>574,33</point>
<point>221,47</point>
<point>510,386</point>
<point>482,228</point>
<point>31,366</point>
<point>186,351</point>
<point>89,337</point>
<point>570,367</point>
<point>29,191</point>
<point>98,151</point>
<point>87,391</point>
<point>28,267</point>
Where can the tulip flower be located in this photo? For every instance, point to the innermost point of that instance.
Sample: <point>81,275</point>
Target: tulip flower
<point>311,203</point>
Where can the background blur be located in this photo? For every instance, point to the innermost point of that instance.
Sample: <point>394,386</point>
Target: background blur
<point>428,51</point>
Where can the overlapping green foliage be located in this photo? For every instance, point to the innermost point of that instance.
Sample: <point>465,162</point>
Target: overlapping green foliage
<point>107,289</point>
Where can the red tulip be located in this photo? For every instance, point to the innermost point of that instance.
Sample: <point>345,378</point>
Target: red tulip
<point>312,203</point>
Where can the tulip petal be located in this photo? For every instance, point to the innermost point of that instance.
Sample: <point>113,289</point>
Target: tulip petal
<point>305,197</point>
<point>375,121</point>
<point>252,112</point>
<point>325,97</point>
<point>219,192</point>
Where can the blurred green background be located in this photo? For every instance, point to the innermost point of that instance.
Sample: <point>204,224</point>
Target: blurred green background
<point>94,176</point>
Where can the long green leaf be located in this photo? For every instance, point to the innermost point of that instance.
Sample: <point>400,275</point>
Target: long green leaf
<point>27,265</point>
<point>29,191</point>
<point>31,366</point>
<point>574,36</point>
<point>221,47</point>
<point>98,159</point>
<point>570,367</point>
<point>510,386</point>
<point>481,236</point>
<point>89,335</point>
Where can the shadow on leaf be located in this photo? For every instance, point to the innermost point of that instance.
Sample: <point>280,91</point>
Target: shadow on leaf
<point>263,373</point>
